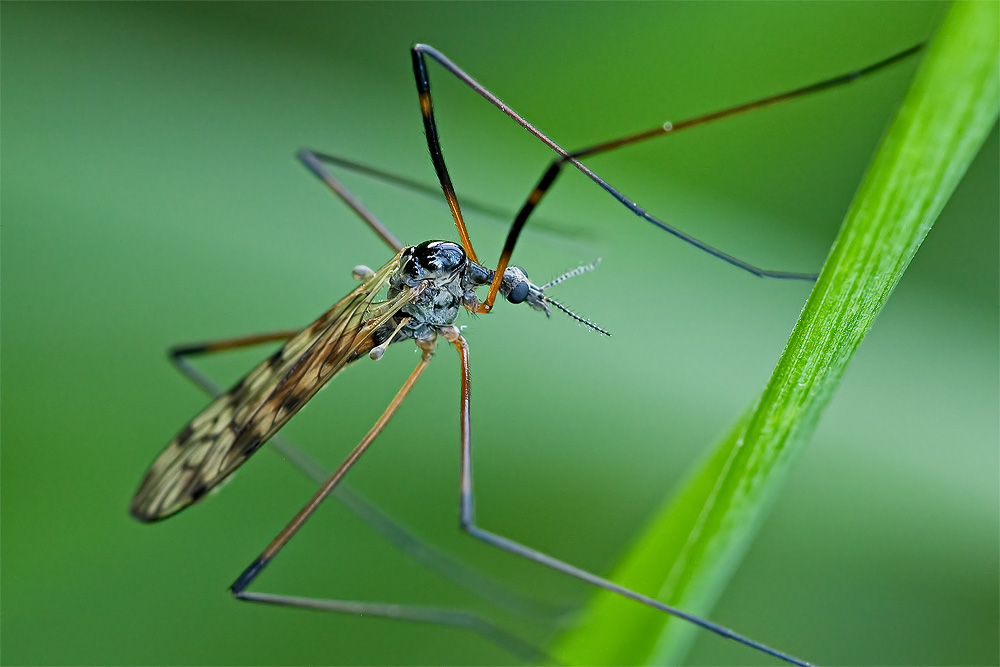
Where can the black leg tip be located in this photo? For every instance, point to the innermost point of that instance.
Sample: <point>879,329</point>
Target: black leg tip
<point>248,575</point>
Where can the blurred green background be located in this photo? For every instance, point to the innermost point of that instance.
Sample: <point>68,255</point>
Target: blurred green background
<point>149,197</point>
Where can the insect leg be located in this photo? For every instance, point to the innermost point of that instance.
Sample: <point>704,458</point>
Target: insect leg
<point>296,523</point>
<point>462,619</point>
<point>179,354</point>
<point>423,87</point>
<point>314,162</point>
<point>468,524</point>
<point>434,145</point>
<point>395,533</point>
<point>404,182</point>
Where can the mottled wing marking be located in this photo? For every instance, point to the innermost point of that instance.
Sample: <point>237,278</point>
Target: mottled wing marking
<point>240,421</point>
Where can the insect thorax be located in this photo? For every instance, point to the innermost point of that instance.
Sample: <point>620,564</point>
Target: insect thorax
<point>447,279</point>
<point>436,305</point>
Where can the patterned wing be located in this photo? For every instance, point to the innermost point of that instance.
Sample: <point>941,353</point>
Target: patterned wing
<point>240,421</point>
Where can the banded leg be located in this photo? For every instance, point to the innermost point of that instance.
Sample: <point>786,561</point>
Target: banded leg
<point>422,614</point>
<point>472,580</point>
<point>315,161</point>
<point>549,176</point>
<point>468,524</point>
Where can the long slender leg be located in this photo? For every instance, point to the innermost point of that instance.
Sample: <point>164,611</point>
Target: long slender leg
<point>303,515</point>
<point>426,106</point>
<point>315,165</point>
<point>461,619</point>
<point>385,525</point>
<point>179,354</point>
<point>468,524</point>
<point>406,183</point>
<point>434,146</point>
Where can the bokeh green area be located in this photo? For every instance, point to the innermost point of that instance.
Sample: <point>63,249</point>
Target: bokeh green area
<point>149,197</point>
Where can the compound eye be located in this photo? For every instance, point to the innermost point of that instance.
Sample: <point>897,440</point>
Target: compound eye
<point>518,293</point>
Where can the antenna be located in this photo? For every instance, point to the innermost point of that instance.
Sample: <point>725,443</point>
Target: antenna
<point>539,300</point>
<point>548,299</point>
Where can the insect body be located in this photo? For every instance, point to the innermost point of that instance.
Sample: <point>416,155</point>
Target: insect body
<point>425,288</point>
<point>416,296</point>
<point>442,279</point>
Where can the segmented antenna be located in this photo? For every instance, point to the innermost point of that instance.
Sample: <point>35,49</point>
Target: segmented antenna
<point>571,274</point>
<point>547,299</point>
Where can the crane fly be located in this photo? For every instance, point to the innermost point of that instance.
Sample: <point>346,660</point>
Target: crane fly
<point>417,295</point>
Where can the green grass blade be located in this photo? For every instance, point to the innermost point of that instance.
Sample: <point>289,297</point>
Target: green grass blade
<point>692,547</point>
